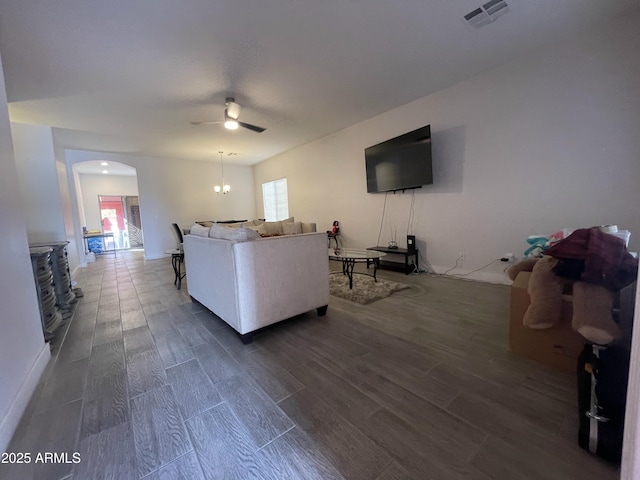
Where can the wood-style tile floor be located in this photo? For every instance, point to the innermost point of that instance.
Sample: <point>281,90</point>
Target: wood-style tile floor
<point>419,385</point>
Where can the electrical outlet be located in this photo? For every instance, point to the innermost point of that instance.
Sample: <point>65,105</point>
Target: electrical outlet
<point>508,257</point>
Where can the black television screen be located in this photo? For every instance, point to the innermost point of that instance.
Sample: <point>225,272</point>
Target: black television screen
<point>401,163</point>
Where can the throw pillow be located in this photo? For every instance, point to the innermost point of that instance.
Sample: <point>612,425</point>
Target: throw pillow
<point>243,234</point>
<point>261,229</point>
<point>308,227</point>
<point>218,231</point>
<point>240,234</point>
<point>272,228</point>
<point>233,225</point>
<point>199,230</point>
<point>291,228</point>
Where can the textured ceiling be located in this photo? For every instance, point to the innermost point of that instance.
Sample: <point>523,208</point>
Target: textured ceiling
<point>129,76</point>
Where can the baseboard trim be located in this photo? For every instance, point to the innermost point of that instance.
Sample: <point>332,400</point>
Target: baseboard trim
<point>478,276</point>
<point>10,422</point>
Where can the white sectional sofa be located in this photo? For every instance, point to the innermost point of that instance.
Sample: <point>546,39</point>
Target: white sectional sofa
<point>252,284</point>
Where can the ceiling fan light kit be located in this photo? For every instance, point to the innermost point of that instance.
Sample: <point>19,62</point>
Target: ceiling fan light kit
<point>233,108</point>
<point>231,124</point>
<point>231,115</point>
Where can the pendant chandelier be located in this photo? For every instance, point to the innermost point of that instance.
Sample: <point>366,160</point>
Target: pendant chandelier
<point>224,189</point>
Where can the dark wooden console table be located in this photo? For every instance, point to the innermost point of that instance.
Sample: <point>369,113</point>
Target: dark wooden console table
<point>407,267</point>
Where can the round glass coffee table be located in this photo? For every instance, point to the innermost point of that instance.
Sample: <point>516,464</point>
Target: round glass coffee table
<point>350,256</point>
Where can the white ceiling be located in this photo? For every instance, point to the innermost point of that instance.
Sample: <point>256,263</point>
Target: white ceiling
<point>128,76</point>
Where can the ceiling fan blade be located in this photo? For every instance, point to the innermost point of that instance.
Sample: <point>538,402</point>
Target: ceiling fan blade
<point>207,123</point>
<point>254,128</point>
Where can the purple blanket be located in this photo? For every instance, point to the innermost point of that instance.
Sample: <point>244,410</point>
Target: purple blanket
<point>606,259</point>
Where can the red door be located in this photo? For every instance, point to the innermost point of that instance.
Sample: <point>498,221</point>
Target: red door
<point>113,219</point>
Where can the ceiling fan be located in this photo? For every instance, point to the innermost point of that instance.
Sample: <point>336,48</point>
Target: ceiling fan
<point>231,114</point>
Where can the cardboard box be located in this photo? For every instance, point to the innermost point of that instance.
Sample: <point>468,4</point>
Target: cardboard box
<point>556,347</point>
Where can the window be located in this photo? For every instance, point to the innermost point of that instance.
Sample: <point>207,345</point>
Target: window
<point>276,200</point>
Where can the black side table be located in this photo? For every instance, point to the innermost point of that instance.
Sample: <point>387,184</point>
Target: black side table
<point>177,259</point>
<point>407,268</point>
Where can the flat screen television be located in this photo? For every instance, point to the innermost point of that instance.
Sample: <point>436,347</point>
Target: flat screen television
<point>400,163</point>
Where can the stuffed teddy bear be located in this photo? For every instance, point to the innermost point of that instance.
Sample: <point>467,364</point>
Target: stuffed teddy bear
<point>592,303</point>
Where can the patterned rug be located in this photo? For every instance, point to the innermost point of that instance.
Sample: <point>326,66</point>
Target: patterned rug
<point>365,290</point>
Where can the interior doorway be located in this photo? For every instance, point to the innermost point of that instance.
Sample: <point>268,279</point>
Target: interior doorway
<point>120,215</point>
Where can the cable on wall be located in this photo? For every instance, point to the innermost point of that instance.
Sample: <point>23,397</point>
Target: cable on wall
<point>411,213</point>
<point>472,271</point>
<point>454,267</point>
<point>476,270</point>
<point>384,208</point>
<point>427,266</point>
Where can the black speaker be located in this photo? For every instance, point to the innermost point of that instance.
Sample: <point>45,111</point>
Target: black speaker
<point>411,242</point>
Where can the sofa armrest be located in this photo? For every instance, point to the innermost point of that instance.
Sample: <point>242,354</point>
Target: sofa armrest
<point>280,277</point>
<point>211,275</point>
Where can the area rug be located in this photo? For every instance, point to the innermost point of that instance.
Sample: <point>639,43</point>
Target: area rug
<point>365,290</point>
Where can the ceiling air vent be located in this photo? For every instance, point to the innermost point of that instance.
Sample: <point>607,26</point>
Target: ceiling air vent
<point>487,13</point>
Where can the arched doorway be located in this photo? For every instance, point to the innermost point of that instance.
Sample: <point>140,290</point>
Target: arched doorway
<point>108,202</point>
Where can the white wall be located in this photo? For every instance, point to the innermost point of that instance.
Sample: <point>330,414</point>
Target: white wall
<point>94,185</point>
<point>23,353</point>
<point>38,180</point>
<point>67,209</point>
<point>180,191</point>
<point>544,142</point>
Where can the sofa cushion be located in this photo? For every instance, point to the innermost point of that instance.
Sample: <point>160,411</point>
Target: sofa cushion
<point>240,234</point>
<point>218,231</point>
<point>292,228</point>
<point>243,234</point>
<point>199,230</point>
<point>261,229</point>
<point>275,228</point>
<point>234,224</point>
<point>308,227</point>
